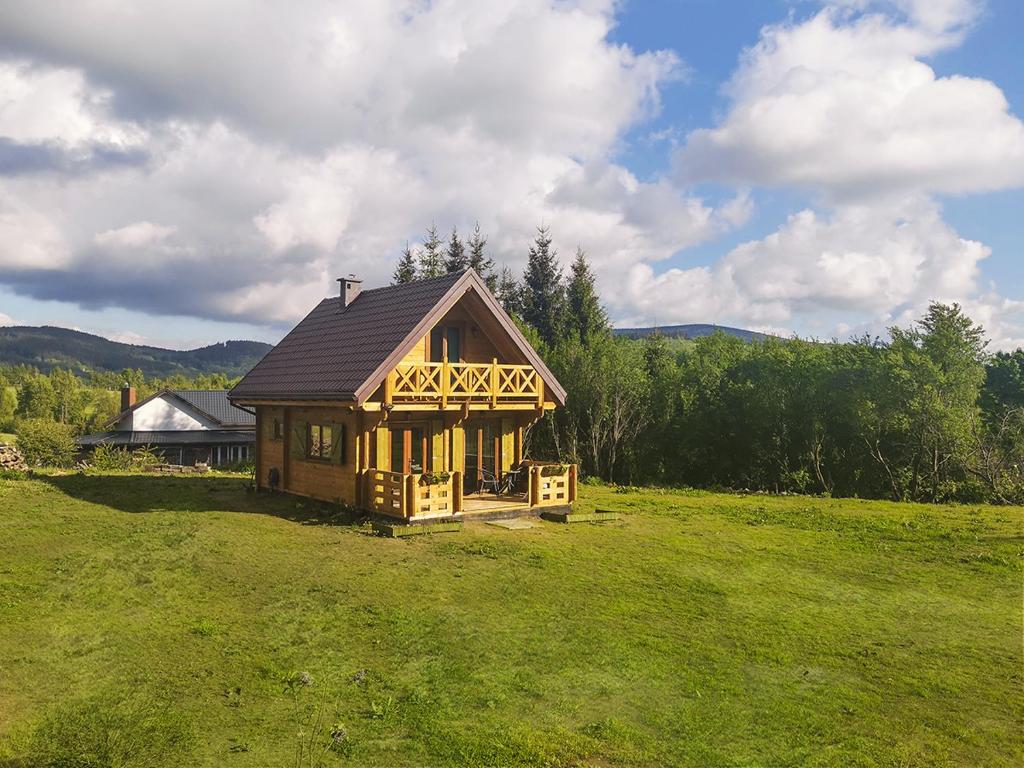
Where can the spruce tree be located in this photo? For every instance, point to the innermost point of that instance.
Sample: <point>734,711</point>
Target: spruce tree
<point>509,293</point>
<point>586,315</point>
<point>405,272</point>
<point>482,264</point>
<point>543,291</point>
<point>455,259</point>
<point>431,257</point>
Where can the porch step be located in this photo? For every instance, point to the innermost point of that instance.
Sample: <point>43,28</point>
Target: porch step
<point>396,530</point>
<point>566,516</point>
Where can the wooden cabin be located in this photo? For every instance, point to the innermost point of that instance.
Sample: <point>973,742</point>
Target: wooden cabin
<point>408,401</point>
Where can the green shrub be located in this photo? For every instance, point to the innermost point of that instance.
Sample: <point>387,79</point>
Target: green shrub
<point>46,443</point>
<point>107,457</point>
<point>245,467</point>
<point>145,457</point>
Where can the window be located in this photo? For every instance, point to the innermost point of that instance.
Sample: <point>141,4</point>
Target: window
<point>318,441</point>
<point>444,344</point>
<point>278,429</point>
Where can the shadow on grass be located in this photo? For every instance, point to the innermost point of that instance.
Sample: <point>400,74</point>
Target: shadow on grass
<point>152,493</point>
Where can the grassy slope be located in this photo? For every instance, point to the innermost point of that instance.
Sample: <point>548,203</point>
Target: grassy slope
<point>704,630</point>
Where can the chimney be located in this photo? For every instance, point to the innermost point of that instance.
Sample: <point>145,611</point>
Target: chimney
<point>127,397</point>
<point>350,288</point>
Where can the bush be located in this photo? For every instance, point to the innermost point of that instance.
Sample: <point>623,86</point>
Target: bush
<point>108,457</point>
<point>46,443</point>
<point>105,456</point>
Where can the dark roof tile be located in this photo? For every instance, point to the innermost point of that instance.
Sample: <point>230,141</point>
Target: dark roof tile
<point>215,403</point>
<point>334,350</point>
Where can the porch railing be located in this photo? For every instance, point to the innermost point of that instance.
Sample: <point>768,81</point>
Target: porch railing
<point>408,497</point>
<point>463,382</point>
<point>549,484</point>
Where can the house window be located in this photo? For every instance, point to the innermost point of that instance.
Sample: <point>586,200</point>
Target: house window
<point>445,344</point>
<point>278,429</point>
<point>318,441</point>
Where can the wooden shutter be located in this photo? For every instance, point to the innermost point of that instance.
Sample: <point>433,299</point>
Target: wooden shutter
<point>337,442</point>
<point>298,439</point>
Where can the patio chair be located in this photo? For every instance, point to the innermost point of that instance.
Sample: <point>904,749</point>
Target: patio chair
<point>488,481</point>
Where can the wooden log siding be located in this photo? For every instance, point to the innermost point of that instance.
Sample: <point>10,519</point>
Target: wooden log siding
<point>329,479</point>
<point>269,450</point>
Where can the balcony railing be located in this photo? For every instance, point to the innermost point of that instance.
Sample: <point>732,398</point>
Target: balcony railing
<point>446,383</point>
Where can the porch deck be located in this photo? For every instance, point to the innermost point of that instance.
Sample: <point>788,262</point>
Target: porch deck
<point>474,503</point>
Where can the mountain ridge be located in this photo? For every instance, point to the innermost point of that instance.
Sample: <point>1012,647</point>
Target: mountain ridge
<point>690,331</point>
<point>47,347</point>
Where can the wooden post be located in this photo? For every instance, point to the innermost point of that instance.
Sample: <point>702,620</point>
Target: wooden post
<point>534,486</point>
<point>389,388</point>
<point>456,492</point>
<point>572,482</point>
<point>540,391</point>
<point>445,382</point>
<point>494,382</point>
<point>411,501</point>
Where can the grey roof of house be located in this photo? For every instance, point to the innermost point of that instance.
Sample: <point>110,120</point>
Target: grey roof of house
<point>170,437</point>
<point>335,349</point>
<point>215,403</point>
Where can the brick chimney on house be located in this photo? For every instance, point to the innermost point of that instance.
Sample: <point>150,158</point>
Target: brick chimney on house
<point>350,288</point>
<point>127,397</point>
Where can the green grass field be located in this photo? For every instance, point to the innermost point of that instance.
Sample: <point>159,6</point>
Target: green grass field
<point>8,437</point>
<point>156,621</point>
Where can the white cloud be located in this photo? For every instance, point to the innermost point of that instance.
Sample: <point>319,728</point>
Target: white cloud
<point>7,320</point>
<point>135,235</point>
<point>842,105</point>
<point>845,106</point>
<point>865,267</point>
<point>279,148</point>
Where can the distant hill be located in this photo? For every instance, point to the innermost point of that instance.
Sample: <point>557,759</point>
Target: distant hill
<point>47,347</point>
<point>691,331</point>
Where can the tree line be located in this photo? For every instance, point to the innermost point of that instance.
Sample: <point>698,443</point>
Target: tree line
<point>48,411</point>
<point>926,414</point>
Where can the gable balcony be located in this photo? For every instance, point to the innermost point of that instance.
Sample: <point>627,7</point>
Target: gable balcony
<point>494,384</point>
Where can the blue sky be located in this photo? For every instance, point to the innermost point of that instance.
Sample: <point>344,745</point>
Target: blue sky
<point>823,168</point>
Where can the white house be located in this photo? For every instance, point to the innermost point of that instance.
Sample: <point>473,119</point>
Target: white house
<point>186,426</point>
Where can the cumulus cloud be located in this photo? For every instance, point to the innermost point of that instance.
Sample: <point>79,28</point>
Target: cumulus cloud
<point>265,150</point>
<point>842,105</point>
<point>846,107</point>
<point>854,270</point>
<point>7,320</point>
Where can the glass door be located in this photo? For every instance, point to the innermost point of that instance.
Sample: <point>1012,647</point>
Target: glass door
<point>409,450</point>
<point>481,452</point>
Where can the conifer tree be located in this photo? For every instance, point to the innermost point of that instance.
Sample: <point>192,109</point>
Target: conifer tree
<point>431,258</point>
<point>405,272</point>
<point>455,259</point>
<point>481,263</point>
<point>543,290</point>
<point>586,315</point>
<point>509,293</point>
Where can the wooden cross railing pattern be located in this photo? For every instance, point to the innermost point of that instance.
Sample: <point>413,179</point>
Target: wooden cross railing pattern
<point>464,382</point>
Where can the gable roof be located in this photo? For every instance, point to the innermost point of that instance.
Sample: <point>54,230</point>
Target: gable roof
<point>344,353</point>
<point>215,404</point>
<point>210,403</point>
